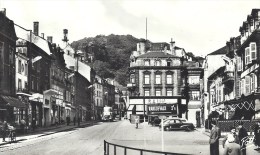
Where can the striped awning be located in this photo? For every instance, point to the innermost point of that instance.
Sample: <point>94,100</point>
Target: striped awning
<point>11,101</point>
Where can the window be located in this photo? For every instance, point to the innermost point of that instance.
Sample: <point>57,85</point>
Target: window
<point>247,56</point>
<point>19,66</point>
<point>132,78</point>
<point>158,79</point>
<point>19,84</point>
<point>195,95</point>
<point>157,63</point>
<point>247,84</point>
<point>253,51</point>
<point>194,80</point>
<point>146,92</point>
<point>169,79</point>
<point>158,92</point>
<point>239,64</point>
<point>243,87</point>
<point>252,82</point>
<point>169,62</point>
<point>32,84</point>
<point>146,79</point>
<point>147,62</point>
<point>11,55</point>
<point>169,92</point>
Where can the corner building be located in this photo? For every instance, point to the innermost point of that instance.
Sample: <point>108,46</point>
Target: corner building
<point>158,80</point>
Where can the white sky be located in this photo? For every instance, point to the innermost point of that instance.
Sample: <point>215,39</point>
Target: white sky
<point>198,26</point>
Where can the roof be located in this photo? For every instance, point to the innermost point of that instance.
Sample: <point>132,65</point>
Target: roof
<point>156,55</point>
<point>217,72</point>
<point>222,50</point>
<point>83,68</point>
<point>37,40</point>
<point>7,26</point>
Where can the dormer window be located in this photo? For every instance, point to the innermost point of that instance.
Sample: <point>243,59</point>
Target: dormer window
<point>147,62</point>
<point>157,62</point>
<point>169,63</point>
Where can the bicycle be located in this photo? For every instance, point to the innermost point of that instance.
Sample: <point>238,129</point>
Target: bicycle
<point>11,134</point>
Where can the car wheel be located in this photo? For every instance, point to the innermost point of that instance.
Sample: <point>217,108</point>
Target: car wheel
<point>167,129</point>
<point>187,129</point>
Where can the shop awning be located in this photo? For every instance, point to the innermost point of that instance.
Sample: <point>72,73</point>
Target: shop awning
<point>11,101</point>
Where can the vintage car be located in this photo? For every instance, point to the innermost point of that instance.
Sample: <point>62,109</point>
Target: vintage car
<point>176,124</point>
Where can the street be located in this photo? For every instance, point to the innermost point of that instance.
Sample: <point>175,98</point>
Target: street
<point>89,141</point>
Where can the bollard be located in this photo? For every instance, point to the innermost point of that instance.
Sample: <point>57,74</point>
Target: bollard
<point>114,150</point>
<point>125,151</point>
<point>105,153</point>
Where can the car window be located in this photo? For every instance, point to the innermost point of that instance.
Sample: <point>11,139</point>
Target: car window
<point>177,121</point>
<point>172,122</point>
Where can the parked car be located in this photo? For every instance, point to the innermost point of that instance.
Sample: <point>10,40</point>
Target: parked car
<point>176,124</point>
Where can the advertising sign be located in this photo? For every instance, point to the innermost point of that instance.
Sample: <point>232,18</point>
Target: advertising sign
<point>162,109</point>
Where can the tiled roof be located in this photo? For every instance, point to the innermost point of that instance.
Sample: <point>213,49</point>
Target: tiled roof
<point>219,51</point>
<point>156,55</point>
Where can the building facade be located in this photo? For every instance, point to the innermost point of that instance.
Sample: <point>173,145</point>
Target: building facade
<point>158,80</point>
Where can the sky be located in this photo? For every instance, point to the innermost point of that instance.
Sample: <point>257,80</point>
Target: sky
<point>198,26</point>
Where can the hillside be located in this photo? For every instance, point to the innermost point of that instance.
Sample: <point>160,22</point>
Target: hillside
<point>111,54</point>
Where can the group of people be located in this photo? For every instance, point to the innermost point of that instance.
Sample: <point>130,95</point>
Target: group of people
<point>234,143</point>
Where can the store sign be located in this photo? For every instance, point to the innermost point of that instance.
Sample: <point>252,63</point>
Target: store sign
<point>162,109</point>
<point>161,101</point>
<point>249,70</point>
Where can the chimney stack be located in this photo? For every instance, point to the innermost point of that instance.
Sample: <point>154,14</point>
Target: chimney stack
<point>3,10</point>
<point>65,32</point>
<point>49,39</point>
<point>36,28</point>
<point>42,35</point>
<point>172,47</point>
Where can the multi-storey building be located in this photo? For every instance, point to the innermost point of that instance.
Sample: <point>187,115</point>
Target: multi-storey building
<point>158,80</point>
<point>9,103</point>
<point>195,70</point>
<point>98,97</point>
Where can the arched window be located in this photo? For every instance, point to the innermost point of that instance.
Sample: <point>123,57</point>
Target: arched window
<point>147,62</point>
<point>157,63</point>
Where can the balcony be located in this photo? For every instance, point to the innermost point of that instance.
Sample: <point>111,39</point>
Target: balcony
<point>228,77</point>
<point>23,91</point>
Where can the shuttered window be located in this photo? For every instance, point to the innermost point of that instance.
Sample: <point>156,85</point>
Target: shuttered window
<point>253,51</point>
<point>243,86</point>
<point>247,84</point>
<point>239,64</point>
<point>247,56</point>
<point>252,87</point>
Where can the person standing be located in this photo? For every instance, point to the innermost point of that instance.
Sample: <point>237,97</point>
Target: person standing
<point>242,134</point>
<point>232,133</point>
<point>74,120</point>
<point>5,127</point>
<point>214,139</point>
<point>231,148</point>
<point>136,121</point>
<point>257,136</point>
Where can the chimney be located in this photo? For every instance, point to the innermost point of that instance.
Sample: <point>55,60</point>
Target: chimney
<point>142,46</point>
<point>42,35</point>
<point>3,10</point>
<point>49,39</point>
<point>172,47</point>
<point>36,28</point>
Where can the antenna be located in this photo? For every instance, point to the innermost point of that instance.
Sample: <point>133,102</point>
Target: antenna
<point>146,29</point>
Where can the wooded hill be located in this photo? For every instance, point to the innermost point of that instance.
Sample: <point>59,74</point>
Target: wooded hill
<point>111,54</point>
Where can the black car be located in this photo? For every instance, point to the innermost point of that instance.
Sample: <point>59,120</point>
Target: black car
<point>176,124</point>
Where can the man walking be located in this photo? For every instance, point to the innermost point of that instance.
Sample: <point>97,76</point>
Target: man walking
<point>232,148</point>
<point>242,134</point>
<point>5,127</point>
<point>214,139</point>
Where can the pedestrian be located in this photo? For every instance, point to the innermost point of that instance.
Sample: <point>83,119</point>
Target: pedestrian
<point>56,120</point>
<point>232,133</point>
<point>231,148</point>
<point>214,139</point>
<point>22,125</point>
<point>242,135</point>
<point>74,120</point>
<point>67,120</point>
<point>257,136</point>
<point>136,121</point>
<point>4,128</point>
<point>78,121</point>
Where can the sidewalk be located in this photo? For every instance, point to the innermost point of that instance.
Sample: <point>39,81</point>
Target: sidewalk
<point>43,131</point>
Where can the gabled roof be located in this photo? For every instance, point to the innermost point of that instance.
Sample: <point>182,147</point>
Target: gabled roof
<point>156,55</point>
<point>222,50</point>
